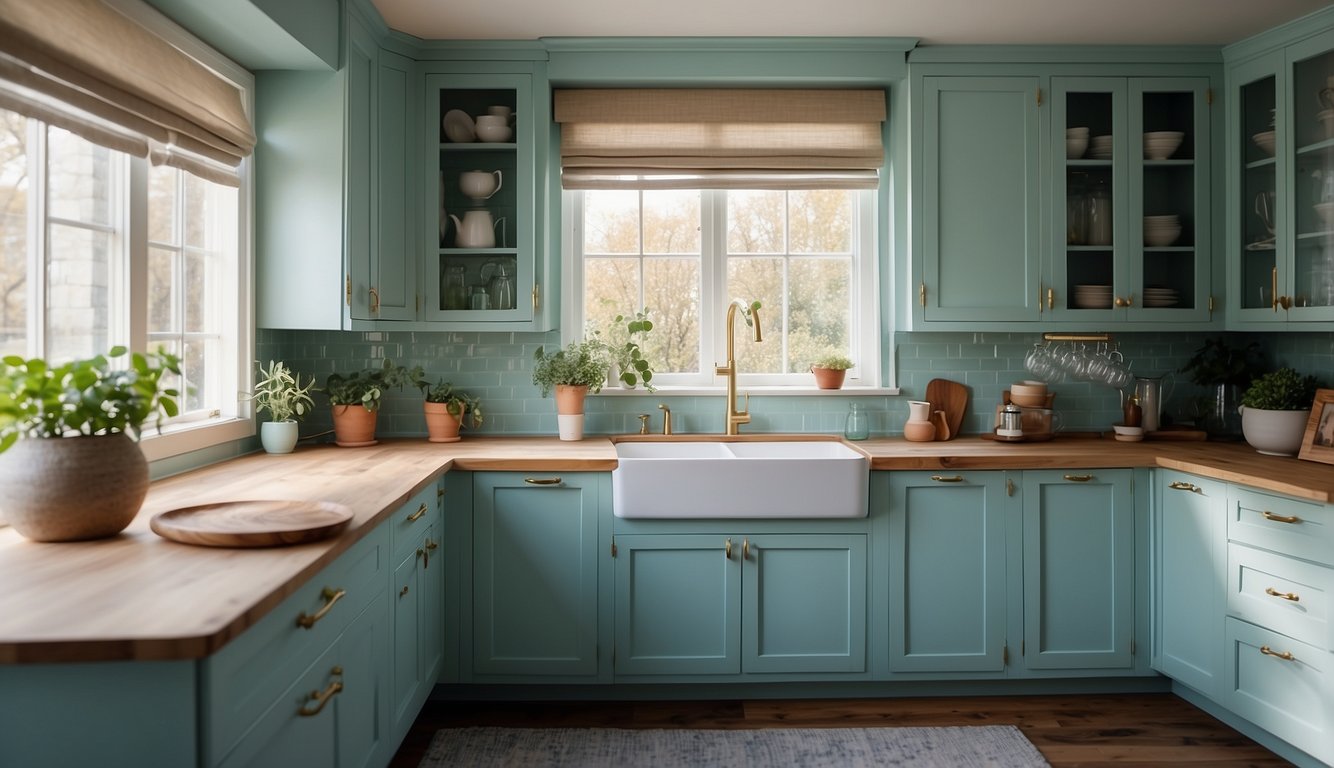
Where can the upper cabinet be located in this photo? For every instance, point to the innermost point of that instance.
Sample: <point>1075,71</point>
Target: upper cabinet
<point>1062,196</point>
<point>1281,199</point>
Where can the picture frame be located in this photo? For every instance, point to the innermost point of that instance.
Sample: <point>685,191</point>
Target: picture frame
<point>1318,442</point>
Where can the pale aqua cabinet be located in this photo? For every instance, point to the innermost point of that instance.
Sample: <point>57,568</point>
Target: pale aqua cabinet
<point>417,594</point>
<point>947,572</point>
<point>1189,560</point>
<point>534,574</point>
<point>1079,560</point>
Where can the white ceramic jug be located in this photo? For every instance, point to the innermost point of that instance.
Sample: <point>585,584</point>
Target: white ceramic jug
<point>476,230</point>
<point>479,185</point>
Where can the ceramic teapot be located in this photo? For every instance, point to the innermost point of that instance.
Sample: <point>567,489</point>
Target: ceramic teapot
<point>476,230</point>
<point>479,185</point>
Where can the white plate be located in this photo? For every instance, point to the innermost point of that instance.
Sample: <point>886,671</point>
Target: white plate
<point>459,127</point>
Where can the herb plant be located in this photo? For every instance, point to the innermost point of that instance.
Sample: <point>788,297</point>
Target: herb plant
<point>456,403</point>
<point>579,364</point>
<point>1217,362</point>
<point>366,387</point>
<point>281,393</point>
<point>1281,390</point>
<point>629,353</point>
<point>833,362</point>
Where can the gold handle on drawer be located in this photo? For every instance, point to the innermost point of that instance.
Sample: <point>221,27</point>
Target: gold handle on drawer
<point>727,549</point>
<point>375,301</point>
<point>322,697</point>
<point>542,480</point>
<point>426,556</point>
<point>1051,298</point>
<point>1286,655</point>
<point>1078,478</point>
<point>745,549</point>
<point>1294,597</point>
<point>330,596</point>
<point>950,479</point>
<point>415,516</point>
<point>431,546</point>
<point>1280,518</point>
<point>1178,485</point>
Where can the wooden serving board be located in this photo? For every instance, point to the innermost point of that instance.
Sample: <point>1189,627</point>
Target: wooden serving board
<point>950,397</point>
<point>252,523</point>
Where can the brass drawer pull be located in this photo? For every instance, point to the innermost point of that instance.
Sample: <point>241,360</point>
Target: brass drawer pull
<point>431,546</point>
<point>1281,518</point>
<point>1286,655</point>
<point>415,516</point>
<point>330,596</point>
<point>1079,478</point>
<point>1285,595</point>
<point>1178,485</point>
<point>542,480</point>
<point>727,549</point>
<point>950,479</point>
<point>322,697</point>
<point>745,549</point>
<point>403,591</point>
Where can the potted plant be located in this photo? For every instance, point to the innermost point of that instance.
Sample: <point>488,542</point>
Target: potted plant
<point>1227,370</point>
<point>1274,411</point>
<point>71,468</point>
<point>629,366</point>
<point>574,371</point>
<point>355,399</point>
<point>286,399</point>
<point>830,370</point>
<point>445,410</point>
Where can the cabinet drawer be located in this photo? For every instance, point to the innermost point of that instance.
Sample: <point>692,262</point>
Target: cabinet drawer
<point>282,735</point>
<point>1280,593</point>
<point>242,680</point>
<point>1282,685</point>
<point>1298,528</point>
<point>410,521</point>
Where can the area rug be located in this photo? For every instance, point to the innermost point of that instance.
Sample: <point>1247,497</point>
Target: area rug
<point>990,745</point>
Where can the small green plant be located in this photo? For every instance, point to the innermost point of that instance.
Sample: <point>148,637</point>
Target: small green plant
<point>84,397</point>
<point>456,403</point>
<point>366,387</point>
<point>281,393</point>
<point>833,362</point>
<point>1217,362</point>
<point>1281,390</point>
<point>628,352</point>
<point>579,364</point>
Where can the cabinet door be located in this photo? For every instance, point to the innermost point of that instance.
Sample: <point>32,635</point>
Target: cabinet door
<point>359,160</point>
<point>1310,69</point>
<point>362,708</point>
<point>678,604</point>
<point>1282,685</point>
<point>535,574</point>
<point>804,603</point>
<point>1189,560</point>
<point>393,263</point>
<point>978,202</point>
<point>407,677</point>
<point>295,729</point>
<point>1257,119</point>
<point>1079,558</point>
<point>947,571</point>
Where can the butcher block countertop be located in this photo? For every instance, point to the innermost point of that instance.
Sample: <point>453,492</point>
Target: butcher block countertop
<point>138,596</point>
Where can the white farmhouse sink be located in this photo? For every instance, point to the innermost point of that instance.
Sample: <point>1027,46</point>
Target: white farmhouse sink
<point>753,479</point>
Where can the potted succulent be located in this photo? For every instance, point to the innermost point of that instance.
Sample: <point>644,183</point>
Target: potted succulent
<point>830,370</point>
<point>574,371</point>
<point>1274,411</point>
<point>445,410</point>
<point>1227,370</point>
<point>355,399</point>
<point>70,466</point>
<point>629,366</point>
<point>286,399</point>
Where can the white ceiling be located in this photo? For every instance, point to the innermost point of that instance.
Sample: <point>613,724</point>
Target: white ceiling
<point>1084,22</point>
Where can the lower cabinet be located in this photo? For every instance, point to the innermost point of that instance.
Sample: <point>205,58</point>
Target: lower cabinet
<point>1283,685</point>
<point>717,604</point>
<point>417,592</point>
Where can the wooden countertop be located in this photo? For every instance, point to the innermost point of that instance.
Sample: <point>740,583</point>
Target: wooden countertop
<point>138,596</point>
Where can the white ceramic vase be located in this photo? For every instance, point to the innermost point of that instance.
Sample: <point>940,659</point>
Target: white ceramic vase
<point>278,436</point>
<point>1276,433</point>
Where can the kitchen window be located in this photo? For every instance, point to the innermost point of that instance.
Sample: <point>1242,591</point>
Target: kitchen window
<point>807,255</point>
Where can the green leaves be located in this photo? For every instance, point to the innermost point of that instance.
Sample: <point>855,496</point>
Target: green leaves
<point>1281,390</point>
<point>281,393</point>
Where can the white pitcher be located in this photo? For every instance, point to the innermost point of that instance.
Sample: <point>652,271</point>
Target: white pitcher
<point>476,230</point>
<point>479,185</point>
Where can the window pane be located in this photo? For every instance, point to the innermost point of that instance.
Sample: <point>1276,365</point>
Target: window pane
<point>821,221</point>
<point>671,293</point>
<point>78,293</point>
<point>78,179</point>
<point>198,393</point>
<point>161,292</point>
<point>197,192</point>
<point>162,205</point>
<point>762,280</point>
<point>819,311</point>
<point>611,222</point>
<point>14,198</point>
<point>755,222</point>
<point>197,298</point>
<point>611,288</point>
<point>671,221</point>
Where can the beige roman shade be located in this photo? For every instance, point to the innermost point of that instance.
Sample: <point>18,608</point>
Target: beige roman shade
<point>720,138</point>
<point>86,67</point>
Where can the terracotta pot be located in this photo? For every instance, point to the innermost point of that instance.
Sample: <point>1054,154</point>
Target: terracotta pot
<point>441,425</point>
<point>828,378</point>
<point>354,426</point>
<point>73,488</point>
<point>570,411</point>
<point>278,436</point>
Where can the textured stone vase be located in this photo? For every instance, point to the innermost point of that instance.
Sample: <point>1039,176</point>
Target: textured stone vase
<point>72,488</point>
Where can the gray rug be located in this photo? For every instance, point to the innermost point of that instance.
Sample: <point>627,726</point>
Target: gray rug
<point>990,745</point>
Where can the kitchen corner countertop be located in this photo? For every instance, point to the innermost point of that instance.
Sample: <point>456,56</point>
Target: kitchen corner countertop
<point>138,596</point>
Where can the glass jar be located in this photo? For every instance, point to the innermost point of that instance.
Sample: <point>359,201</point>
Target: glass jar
<point>1075,209</point>
<point>453,291</point>
<point>857,426</point>
<point>1098,217</point>
<point>480,298</point>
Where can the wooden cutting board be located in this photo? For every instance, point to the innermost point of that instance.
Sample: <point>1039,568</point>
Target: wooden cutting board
<point>950,397</point>
<point>252,523</point>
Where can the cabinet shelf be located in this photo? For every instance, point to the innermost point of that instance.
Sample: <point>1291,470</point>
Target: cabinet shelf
<point>479,146</point>
<point>1318,236</point>
<point>479,251</point>
<point>1170,163</point>
<point>1088,163</point>
<point>1319,146</point>
<point>1268,162</point>
<point>1169,249</point>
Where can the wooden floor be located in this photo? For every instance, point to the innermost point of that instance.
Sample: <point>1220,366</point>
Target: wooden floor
<point>1120,730</point>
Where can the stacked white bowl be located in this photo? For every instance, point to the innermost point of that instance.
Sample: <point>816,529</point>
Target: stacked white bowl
<point>1100,147</point>
<point>1076,141</point>
<point>1265,141</point>
<point>1093,296</point>
<point>1159,145</point>
<point>1161,231</point>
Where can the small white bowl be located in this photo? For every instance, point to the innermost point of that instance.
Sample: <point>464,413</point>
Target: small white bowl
<point>1036,388</point>
<point>1326,213</point>
<point>1265,141</point>
<point>1075,131</point>
<point>1075,146</point>
<point>1161,238</point>
<point>1122,429</point>
<point>1326,118</point>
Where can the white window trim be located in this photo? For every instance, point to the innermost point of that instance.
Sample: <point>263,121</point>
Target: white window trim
<point>866,343</point>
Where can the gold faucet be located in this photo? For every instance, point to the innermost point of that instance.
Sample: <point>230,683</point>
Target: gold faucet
<point>751,313</point>
<point>666,418</point>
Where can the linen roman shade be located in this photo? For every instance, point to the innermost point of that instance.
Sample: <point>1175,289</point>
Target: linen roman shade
<point>720,138</point>
<point>86,67</point>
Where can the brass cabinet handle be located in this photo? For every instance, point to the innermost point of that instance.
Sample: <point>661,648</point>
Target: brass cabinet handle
<point>745,549</point>
<point>950,479</point>
<point>1285,302</point>
<point>349,290</point>
<point>1178,485</point>
<point>322,698</point>
<point>1039,297</point>
<point>1051,298</point>
<point>542,480</point>
<point>537,296</point>
<point>1078,478</point>
<point>426,556</point>
<point>921,293</point>
<point>415,516</point>
<point>1285,595</point>
<point>1280,518</point>
<point>727,549</point>
<point>431,546</point>
<point>330,596</point>
<point>403,591</point>
<point>1286,655</point>
<point>375,301</point>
